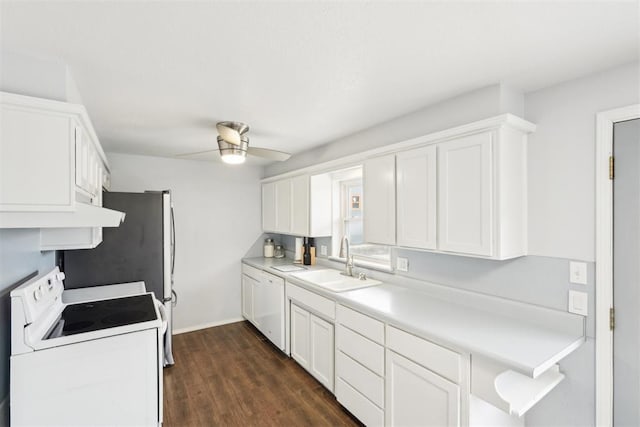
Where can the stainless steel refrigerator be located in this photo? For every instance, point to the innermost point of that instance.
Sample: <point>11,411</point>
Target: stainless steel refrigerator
<point>141,249</point>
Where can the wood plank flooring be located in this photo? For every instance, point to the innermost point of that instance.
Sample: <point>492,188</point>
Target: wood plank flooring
<point>232,375</point>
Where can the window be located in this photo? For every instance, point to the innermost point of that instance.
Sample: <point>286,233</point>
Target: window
<point>349,205</point>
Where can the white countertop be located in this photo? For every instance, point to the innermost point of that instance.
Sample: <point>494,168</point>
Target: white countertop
<point>526,338</point>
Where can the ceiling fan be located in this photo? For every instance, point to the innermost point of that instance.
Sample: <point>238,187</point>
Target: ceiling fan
<point>233,144</point>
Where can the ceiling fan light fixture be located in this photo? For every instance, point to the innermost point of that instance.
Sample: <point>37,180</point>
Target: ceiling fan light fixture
<point>233,154</point>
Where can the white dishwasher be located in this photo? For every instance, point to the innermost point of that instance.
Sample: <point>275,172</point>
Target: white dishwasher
<point>269,308</point>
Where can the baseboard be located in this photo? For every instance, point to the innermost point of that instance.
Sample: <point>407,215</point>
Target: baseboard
<point>4,411</point>
<point>206,325</point>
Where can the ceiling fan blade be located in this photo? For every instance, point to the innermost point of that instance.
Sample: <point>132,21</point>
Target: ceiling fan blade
<point>194,154</point>
<point>265,153</point>
<point>232,131</point>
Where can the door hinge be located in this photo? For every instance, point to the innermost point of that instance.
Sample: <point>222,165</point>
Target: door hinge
<point>611,167</point>
<point>612,318</point>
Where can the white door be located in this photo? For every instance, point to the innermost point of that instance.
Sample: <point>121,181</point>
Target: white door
<point>379,200</point>
<point>465,195</point>
<point>416,181</point>
<point>43,143</point>
<point>257,302</point>
<point>283,206</point>
<point>300,205</point>
<point>322,351</point>
<point>269,206</point>
<point>415,396</point>
<point>300,347</point>
<point>626,274</point>
<point>247,297</point>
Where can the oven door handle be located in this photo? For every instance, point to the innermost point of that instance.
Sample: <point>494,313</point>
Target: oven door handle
<point>163,315</point>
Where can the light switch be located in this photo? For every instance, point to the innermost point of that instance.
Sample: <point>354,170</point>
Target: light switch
<point>578,302</point>
<point>402,264</point>
<point>578,272</point>
<point>323,250</point>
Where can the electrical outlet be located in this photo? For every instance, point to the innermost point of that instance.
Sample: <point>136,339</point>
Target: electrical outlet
<point>578,272</point>
<point>323,250</point>
<point>402,264</point>
<point>578,302</point>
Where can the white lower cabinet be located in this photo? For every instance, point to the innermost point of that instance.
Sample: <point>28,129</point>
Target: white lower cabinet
<point>360,365</point>
<point>312,344</point>
<point>417,396</point>
<point>300,347</point>
<point>321,342</point>
<point>247,297</point>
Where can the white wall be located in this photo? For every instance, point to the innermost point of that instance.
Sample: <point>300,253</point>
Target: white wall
<point>562,159</point>
<point>35,76</point>
<point>465,108</point>
<point>217,213</point>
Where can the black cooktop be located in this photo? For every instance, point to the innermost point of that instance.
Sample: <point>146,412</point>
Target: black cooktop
<point>103,314</point>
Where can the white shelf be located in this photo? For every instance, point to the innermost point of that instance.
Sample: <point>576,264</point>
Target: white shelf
<point>522,392</point>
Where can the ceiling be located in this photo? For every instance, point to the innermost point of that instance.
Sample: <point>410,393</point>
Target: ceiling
<point>156,76</point>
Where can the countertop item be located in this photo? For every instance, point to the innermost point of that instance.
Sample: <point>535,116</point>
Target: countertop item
<point>529,339</point>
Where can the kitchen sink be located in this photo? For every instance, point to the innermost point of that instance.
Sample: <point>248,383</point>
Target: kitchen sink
<point>332,280</point>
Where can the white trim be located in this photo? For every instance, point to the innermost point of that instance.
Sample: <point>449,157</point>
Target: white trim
<point>604,259</point>
<point>352,160</point>
<point>4,411</point>
<point>207,325</point>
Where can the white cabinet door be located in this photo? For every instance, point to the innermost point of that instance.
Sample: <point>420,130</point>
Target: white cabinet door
<point>36,161</point>
<point>269,206</point>
<point>416,396</point>
<point>322,351</point>
<point>417,198</point>
<point>465,195</point>
<point>247,297</point>
<point>300,348</point>
<point>379,201</point>
<point>283,206</point>
<point>300,205</point>
<point>258,305</point>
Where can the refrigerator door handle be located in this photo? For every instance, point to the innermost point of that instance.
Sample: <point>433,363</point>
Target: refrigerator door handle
<point>173,242</point>
<point>173,298</point>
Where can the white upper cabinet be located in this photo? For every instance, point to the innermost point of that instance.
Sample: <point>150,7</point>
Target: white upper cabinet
<point>416,175</point>
<point>269,206</point>
<point>298,206</point>
<point>52,171</point>
<point>379,200</point>
<point>466,195</point>
<point>36,160</point>
<point>465,208</point>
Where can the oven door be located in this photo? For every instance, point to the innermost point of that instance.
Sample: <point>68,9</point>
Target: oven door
<point>108,381</point>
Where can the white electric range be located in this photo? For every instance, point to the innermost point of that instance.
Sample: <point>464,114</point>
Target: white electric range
<point>92,357</point>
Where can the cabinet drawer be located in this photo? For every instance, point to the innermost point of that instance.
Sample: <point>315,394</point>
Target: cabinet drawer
<point>318,304</point>
<point>272,278</point>
<point>358,405</point>
<point>360,378</point>
<point>252,272</point>
<point>361,349</point>
<point>432,356</point>
<point>360,323</point>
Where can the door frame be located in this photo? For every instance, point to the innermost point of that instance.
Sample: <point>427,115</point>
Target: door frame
<point>604,258</point>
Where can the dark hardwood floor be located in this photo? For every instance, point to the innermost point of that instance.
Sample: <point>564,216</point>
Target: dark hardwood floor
<point>232,375</point>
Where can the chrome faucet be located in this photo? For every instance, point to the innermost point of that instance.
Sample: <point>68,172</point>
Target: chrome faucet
<point>344,253</point>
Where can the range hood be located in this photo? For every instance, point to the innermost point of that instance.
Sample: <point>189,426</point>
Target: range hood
<point>85,215</point>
